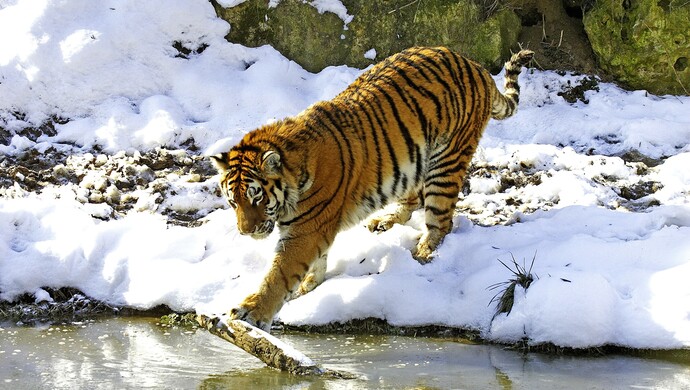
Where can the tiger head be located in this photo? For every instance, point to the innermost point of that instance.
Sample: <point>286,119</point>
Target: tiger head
<point>250,180</point>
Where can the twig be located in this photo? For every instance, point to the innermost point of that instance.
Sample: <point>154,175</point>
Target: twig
<point>403,6</point>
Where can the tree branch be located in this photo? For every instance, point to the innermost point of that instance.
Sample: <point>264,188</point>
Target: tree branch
<point>269,349</point>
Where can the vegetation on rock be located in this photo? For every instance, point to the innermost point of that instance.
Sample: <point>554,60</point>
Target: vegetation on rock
<point>644,44</point>
<point>316,40</point>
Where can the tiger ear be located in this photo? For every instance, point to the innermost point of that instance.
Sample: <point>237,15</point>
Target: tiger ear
<point>270,163</point>
<point>220,161</point>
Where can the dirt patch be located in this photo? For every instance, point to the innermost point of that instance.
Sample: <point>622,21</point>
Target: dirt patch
<point>574,92</point>
<point>123,181</point>
<point>556,34</point>
<point>29,131</point>
<point>64,304</point>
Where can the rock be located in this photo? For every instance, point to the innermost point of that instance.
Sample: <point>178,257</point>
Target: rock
<point>389,28</point>
<point>112,194</point>
<point>60,171</point>
<point>314,40</point>
<point>144,174</point>
<point>96,197</point>
<point>101,160</point>
<point>192,178</point>
<point>294,28</point>
<point>644,44</point>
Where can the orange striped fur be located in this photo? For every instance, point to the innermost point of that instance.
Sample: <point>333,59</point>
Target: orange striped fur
<point>405,131</point>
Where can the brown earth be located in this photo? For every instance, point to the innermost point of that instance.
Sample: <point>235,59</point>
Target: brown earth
<point>556,34</point>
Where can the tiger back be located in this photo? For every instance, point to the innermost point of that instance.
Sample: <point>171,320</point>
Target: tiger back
<point>405,131</point>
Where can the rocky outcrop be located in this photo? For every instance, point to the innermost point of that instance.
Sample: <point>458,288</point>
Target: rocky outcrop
<point>644,44</point>
<point>316,40</point>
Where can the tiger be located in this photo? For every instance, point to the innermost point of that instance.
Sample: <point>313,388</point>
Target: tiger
<point>403,132</point>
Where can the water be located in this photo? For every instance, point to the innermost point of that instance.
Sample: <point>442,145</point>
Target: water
<point>135,353</point>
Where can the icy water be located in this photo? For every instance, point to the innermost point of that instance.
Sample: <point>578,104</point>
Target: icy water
<point>136,353</point>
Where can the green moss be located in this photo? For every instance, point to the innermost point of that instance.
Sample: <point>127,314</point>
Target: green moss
<point>316,40</point>
<point>384,18</point>
<point>179,319</point>
<point>248,24</point>
<point>501,31</point>
<point>645,44</point>
<point>311,39</point>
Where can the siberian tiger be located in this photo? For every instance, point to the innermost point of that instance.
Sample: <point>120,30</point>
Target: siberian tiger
<point>404,131</point>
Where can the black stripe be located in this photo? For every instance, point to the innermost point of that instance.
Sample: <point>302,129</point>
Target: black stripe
<point>362,133</point>
<point>336,125</point>
<point>420,69</point>
<point>381,130</point>
<point>440,184</point>
<point>427,94</point>
<point>455,74</point>
<point>512,84</point>
<point>334,131</point>
<point>450,162</point>
<point>379,173</point>
<point>441,194</point>
<point>513,71</point>
<point>323,204</point>
<point>419,167</point>
<point>439,73</point>
<point>435,67</point>
<point>409,141</point>
<point>474,88</point>
<point>435,210</point>
<point>404,132</point>
<point>431,226</point>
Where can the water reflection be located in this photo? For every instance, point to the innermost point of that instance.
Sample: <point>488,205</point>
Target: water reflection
<point>137,353</point>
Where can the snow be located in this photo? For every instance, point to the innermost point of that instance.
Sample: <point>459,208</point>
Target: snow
<point>334,6</point>
<point>286,348</point>
<point>607,270</point>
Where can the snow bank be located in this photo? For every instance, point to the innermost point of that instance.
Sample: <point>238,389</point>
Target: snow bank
<point>610,269</point>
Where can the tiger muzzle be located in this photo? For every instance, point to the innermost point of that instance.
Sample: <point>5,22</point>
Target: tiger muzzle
<point>263,230</point>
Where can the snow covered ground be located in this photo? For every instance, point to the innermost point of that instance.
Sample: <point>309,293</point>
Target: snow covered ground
<point>597,193</point>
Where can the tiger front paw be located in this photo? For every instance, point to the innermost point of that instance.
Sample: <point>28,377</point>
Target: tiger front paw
<point>382,224</point>
<point>426,246</point>
<point>310,282</point>
<point>253,313</point>
<point>423,253</point>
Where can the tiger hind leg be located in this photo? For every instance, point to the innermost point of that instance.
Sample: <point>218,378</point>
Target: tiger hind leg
<point>400,215</point>
<point>439,205</point>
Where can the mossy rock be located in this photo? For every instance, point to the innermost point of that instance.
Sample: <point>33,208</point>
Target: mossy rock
<point>644,44</point>
<point>294,28</point>
<point>457,24</point>
<point>314,40</point>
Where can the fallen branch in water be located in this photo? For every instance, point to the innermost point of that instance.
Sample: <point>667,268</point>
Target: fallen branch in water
<point>269,349</point>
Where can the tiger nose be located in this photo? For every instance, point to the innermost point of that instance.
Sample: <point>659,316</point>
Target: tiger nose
<point>244,228</point>
<point>244,225</point>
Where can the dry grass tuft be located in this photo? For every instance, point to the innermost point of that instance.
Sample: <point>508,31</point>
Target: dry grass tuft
<point>523,277</point>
